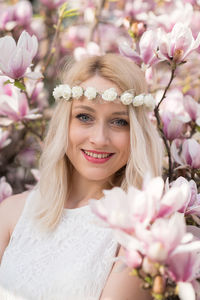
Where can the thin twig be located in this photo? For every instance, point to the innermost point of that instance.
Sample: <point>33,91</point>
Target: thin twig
<point>53,45</point>
<point>159,124</point>
<point>96,20</point>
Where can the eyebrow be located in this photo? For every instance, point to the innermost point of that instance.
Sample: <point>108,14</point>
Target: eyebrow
<point>93,110</point>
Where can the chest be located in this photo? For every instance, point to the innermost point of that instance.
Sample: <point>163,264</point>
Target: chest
<point>72,263</point>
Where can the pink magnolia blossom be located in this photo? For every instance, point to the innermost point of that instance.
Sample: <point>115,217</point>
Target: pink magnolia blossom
<point>16,107</point>
<point>173,125</point>
<point>192,107</point>
<point>4,141</point>
<point>6,17</point>
<point>164,238</point>
<point>22,13</point>
<point>91,49</point>
<point>189,155</point>
<point>5,189</point>
<point>141,206</point>
<point>192,206</point>
<point>179,13</point>
<point>184,269</point>
<point>147,49</point>
<point>178,44</point>
<point>15,59</point>
<point>137,8</point>
<point>52,4</point>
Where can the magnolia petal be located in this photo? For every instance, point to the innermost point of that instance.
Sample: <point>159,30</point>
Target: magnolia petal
<point>7,48</point>
<point>20,61</point>
<point>33,75</point>
<point>193,246</point>
<point>186,291</point>
<point>32,116</point>
<point>128,242</point>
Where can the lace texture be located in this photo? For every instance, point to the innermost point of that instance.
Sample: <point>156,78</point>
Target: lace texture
<point>71,263</point>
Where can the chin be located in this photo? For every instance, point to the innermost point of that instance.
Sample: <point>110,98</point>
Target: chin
<point>97,177</point>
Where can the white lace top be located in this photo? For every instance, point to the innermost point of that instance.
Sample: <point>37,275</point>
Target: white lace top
<point>71,263</point>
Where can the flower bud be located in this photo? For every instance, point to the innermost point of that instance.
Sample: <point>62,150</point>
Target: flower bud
<point>159,285</point>
<point>149,267</point>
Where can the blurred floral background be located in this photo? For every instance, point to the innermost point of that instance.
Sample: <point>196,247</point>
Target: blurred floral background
<point>160,36</point>
<point>39,37</point>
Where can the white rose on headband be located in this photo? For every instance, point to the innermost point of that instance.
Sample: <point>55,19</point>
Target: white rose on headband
<point>109,94</point>
<point>149,101</point>
<point>138,100</point>
<point>126,98</point>
<point>62,91</point>
<point>90,93</point>
<point>77,92</point>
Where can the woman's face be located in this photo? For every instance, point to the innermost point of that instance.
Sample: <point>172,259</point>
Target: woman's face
<point>99,138</point>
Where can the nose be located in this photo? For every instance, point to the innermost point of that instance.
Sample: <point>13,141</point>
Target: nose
<point>99,135</point>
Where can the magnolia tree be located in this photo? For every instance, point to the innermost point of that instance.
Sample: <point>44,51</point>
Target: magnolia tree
<point>159,231</point>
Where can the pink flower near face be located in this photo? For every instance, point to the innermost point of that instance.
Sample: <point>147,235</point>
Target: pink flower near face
<point>15,107</point>
<point>192,107</point>
<point>189,154</point>
<point>192,206</point>
<point>173,125</point>
<point>5,189</point>
<point>178,44</point>
<point>15,59</point>
<point>147,49</point>
<point>163,237</point>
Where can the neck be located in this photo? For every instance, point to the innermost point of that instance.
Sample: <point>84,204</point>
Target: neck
<point>87,189</point>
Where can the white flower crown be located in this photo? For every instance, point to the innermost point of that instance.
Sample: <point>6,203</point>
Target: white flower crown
<point>65,92</point>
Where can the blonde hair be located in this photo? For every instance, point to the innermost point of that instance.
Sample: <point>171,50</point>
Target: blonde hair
<point>145,144</point>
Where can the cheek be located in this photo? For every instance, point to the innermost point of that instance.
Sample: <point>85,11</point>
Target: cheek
<point>76,135</point>
<point>122,142</point>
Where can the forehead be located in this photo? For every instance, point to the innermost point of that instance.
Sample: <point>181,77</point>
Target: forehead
<point>100,84</point>
<point>100,106</point>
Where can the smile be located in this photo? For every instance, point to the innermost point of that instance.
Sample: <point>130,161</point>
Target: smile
<point>96,157</point>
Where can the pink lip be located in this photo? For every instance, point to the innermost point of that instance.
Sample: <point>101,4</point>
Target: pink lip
<point>97,160</point>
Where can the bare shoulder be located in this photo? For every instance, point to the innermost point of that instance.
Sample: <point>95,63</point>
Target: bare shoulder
<point>11,209</point>
<point>121,285</point>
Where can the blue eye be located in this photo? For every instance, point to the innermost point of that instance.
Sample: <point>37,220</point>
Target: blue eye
<point>120,122</point>
<point>83,117</point>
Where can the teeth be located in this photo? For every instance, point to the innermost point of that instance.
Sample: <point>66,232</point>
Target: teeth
<point>96,155</point>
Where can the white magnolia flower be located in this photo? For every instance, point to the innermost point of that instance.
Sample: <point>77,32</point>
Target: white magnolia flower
<point>77,92</point>
<point>149,101</point>
<point>126,98</point>
<point>62,91</point>
<point>109,94</point>
<point>138,100</point>
<point>90,93</point>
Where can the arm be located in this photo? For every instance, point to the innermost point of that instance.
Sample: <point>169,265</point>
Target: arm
<point>121,286</point>
<point>10,211</point>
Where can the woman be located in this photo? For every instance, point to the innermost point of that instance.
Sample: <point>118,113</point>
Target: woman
<point>51,244</point>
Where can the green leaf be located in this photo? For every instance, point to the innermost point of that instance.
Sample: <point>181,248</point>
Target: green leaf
<point>198,128</point>
<point>148,279</point>
<point>19,85</point>
<point>70,13</point>
<point>158,296</point>
<point>7,82</point>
